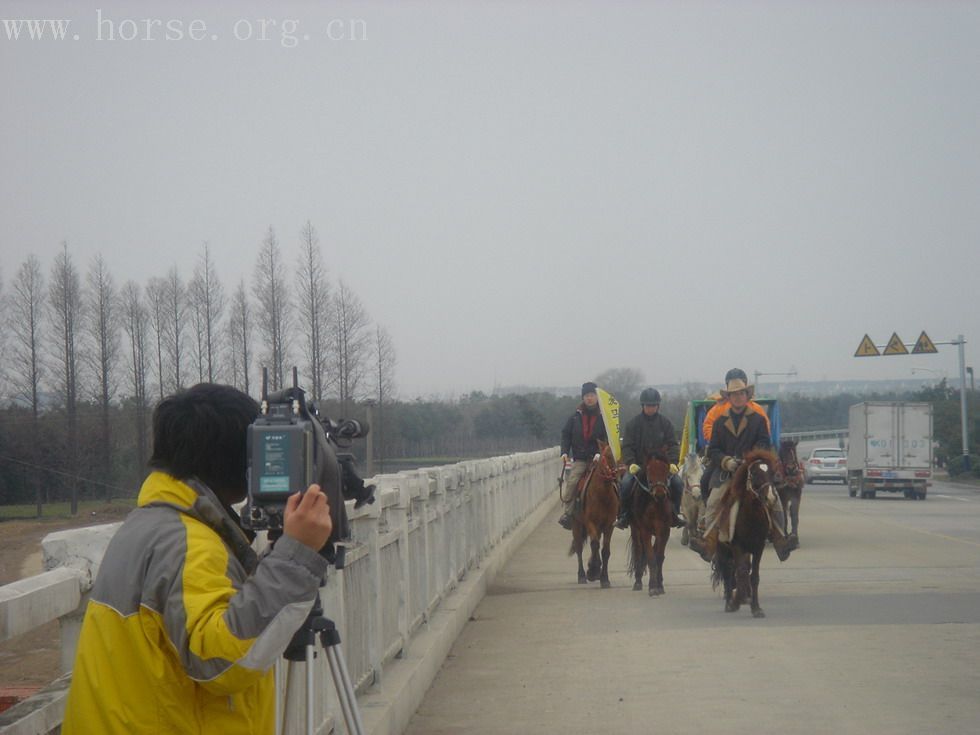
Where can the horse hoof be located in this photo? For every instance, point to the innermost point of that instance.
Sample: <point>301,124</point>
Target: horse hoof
<point>656,592</point>
<point>757,613</point>
<point>637,586</point>
<point>731,607</point>
<point>605,584</point>
<point>582,579</point>
<point>685,537</point>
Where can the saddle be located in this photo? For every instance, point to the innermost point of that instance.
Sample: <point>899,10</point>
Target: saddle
<point>728,510</point>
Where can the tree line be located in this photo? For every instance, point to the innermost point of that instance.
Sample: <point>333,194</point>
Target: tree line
<point>86,358</point>
<point>86,361</point>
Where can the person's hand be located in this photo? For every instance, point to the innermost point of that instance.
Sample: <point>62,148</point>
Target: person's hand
<point>674,469</point>
<point>564,459</point>
<point>307,518</point>
<point>729,464</point>
<point>634,469</point>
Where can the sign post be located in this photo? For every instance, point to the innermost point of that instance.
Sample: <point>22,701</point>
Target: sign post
<point>922,346</point>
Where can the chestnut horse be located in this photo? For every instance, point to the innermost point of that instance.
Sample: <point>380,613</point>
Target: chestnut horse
<point>736,563</point>
<point>650,524</point>
<point>789,485</point>
<point>595,515</point>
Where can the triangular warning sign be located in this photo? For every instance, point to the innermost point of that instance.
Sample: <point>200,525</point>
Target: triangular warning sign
<point>867,348</point>
<point>895,346</point>
<point>923,345</point>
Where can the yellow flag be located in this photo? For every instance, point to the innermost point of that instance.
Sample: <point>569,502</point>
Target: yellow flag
<point>609,408</point>
<point>686,435</point>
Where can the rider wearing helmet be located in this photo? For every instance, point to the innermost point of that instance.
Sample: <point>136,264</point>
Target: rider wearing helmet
<point>737,431</point>
<point>579,444</point>
<point>650,431</point>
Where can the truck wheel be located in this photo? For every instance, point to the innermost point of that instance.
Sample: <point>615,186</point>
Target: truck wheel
<point>852,488</point>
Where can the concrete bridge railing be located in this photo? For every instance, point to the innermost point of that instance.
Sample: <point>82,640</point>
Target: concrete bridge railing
<point>419,561</point>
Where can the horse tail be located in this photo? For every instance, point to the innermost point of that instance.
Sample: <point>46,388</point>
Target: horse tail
<point>636,558</point>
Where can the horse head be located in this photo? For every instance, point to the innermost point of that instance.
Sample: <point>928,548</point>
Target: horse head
<point>788,457</point>
<point>757,471</point>
<point>606,461</point>
<point>657,469</point>
<point>691,473</point>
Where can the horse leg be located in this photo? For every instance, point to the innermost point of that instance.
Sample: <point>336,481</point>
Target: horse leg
<point>604,576</point>
<point>636,551</point>
<point>742,577</point>
<point>659,553</point>
<point>756,559</point>
<point>578,541</point>
<point>651,565</point>
<point>723,558</point>
<point>796,513</point>
<point>593,573</point>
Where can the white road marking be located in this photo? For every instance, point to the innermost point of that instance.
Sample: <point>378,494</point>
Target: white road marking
<point>951,497</point>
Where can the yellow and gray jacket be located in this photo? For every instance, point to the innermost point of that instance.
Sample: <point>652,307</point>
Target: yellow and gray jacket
<point>185,623</point>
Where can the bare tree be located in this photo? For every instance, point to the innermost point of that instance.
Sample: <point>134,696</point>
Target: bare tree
<point>385,360</point>
<point>156,296</point>
<point>207,303</point>
<point>65,308</point>
<point>623,383</point>
<point>175,312</point>
<point>26,311</point>
<point>314,310</point>
<point>351,340</point>
<point>101,311</point>
<point>240,337</point>
<point>273,318</point>
<point>136,324</point>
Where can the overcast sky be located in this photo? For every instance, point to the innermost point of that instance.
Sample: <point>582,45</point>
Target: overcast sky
<point>528,193</point>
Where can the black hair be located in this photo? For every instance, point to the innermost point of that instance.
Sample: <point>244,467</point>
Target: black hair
<point>200,432</point>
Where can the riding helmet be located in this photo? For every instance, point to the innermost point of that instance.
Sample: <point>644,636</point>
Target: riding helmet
<point>650,397</point>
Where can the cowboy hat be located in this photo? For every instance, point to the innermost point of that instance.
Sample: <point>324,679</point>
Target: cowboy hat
<point>736,384</point>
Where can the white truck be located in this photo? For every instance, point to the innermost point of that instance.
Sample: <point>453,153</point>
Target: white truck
<point>890,448</point>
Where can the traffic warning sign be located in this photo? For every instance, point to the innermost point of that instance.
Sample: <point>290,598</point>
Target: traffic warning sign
<point>867,348</point>
<point>923,345</point>
<point>895,346</point>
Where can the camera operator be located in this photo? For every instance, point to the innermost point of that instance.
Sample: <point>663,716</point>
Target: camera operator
<point>185,622</point>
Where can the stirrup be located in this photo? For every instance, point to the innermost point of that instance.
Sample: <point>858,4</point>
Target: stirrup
<point>623,522</point>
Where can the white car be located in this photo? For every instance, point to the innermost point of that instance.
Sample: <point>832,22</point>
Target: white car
<point>826,463</point>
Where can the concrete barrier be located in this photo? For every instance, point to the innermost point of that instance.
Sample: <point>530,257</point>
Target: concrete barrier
<point>419,561</point>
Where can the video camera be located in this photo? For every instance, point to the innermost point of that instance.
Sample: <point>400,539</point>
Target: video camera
<point>289,448</point>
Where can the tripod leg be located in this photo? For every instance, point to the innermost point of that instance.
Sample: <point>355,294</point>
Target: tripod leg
<point>345,690</point>
<point>310,686</point>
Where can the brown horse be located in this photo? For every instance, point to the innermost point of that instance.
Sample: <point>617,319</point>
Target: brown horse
<point>595,515</point>
<point>650,519</point>
<point>736,563</point>
<point>789,485</point>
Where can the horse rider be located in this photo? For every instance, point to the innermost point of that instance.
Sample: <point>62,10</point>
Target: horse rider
<point>737,431</point>
<point>715,411</point>
<point>649,431</point>
<point>579,443</point>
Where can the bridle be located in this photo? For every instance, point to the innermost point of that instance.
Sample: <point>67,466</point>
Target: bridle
<point>653,487</point>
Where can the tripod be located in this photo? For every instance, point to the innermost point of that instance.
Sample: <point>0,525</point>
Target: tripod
<point>303,648</point>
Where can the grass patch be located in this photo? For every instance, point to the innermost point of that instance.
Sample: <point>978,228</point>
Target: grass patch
<point>62,509</point>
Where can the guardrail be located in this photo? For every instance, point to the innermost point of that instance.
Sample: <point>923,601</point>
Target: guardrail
<point>410,550</point>
<point>809,435</point>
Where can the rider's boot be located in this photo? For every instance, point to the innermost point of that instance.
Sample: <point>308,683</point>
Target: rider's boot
<point>566,517</point>
<point>680,520</point>
<point>623,522</point>
<point>705,545</point>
